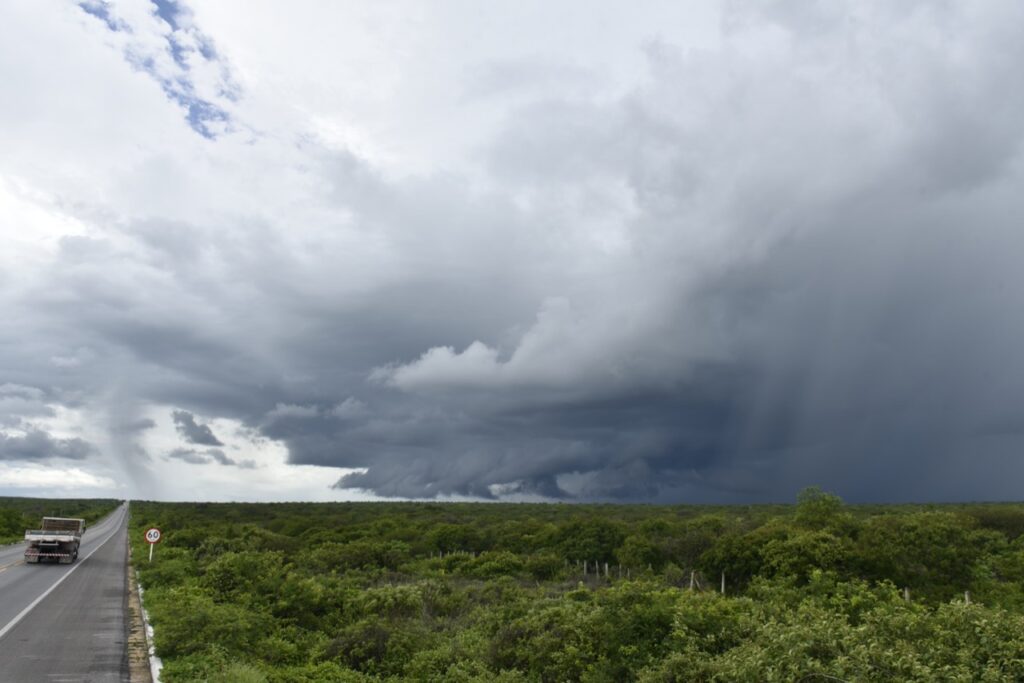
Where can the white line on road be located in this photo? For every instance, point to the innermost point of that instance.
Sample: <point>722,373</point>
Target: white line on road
<point>23,613</point>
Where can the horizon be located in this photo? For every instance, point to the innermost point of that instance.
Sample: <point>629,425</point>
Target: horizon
<point>569,503</point>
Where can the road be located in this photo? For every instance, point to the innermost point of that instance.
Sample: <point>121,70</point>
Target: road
<point>64,623</point>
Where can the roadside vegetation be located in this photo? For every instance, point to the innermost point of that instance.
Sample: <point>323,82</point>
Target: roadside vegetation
<point>362,592</point>
<point>19,514</point>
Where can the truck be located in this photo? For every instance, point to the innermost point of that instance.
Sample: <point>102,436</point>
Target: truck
<point>56,541</point>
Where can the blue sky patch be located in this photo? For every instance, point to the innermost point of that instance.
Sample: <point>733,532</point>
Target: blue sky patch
<point>201,113</point>
<point>168,10</point>
<point>101,11</point>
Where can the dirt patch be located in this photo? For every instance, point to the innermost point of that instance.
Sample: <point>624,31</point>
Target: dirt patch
<point>138,647</point>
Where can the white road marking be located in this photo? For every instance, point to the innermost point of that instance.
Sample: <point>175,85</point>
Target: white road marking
<point>21,615</point>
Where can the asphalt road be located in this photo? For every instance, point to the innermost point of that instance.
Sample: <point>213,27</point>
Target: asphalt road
<point>64,623</point>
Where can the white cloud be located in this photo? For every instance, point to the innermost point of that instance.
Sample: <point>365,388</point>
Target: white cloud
<point>442,367</point>
<point>350,408</point>
<point>17,476</point>
<point>291,410</point>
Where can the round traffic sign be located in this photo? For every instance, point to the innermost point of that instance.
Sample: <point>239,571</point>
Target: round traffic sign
<point>153,535</point>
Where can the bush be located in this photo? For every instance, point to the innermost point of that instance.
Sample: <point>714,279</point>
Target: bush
<point>188,621</point>
<point>544,566</point>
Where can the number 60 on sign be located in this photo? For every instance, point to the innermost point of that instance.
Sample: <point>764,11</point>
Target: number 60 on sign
<point>152,538</point>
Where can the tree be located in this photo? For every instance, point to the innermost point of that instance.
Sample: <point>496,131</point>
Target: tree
<point>817,509</point>
<point>592,540</point>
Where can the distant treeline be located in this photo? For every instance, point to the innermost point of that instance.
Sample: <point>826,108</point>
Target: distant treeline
<point>498,592</point>
<point>19,514</point>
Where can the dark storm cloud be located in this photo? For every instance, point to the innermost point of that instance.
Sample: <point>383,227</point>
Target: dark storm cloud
<point>190,456</point>
<point>39,445</point>
<point>862,341</point>
<point>192,431</point>
<point>527,445</point>
<point>20,402</point>
<point>208,457</point>
<point>790,260</point>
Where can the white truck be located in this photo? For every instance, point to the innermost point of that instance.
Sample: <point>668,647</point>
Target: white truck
<point>56,541</point>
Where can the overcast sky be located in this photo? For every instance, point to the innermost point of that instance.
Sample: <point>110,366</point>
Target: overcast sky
<point>655,251</point>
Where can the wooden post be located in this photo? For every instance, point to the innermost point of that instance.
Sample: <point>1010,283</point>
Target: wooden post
<point>723,583</point>
<point>906,593</point>
<point>967,597</point>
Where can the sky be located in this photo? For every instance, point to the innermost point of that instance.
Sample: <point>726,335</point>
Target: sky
<point>664,252</point>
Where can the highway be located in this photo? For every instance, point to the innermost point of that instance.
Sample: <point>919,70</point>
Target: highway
<point>64,623</point>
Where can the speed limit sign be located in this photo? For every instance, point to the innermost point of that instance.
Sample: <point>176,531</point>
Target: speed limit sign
<point>152,538</point>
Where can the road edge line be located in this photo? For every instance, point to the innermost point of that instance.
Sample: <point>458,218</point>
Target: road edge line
<point>35,603</point>
<point>156,664</point>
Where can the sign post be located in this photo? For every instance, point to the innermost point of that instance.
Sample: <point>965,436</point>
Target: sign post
<point>152,538</point>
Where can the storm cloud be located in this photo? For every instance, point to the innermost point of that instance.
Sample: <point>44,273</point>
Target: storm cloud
<point>208,457</point>
<point>37,445</point>
<point>192,431</point>
<point>710,256</point>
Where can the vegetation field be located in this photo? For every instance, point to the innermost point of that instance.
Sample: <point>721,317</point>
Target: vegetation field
<point>19,514</point>
<point>359,592</point>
